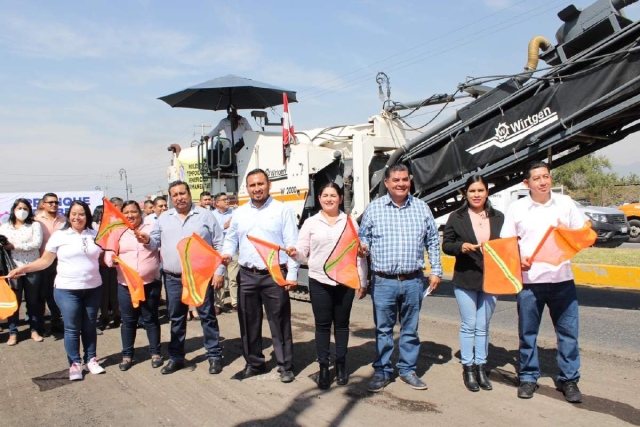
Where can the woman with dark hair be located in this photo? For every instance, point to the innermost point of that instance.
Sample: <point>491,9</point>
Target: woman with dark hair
<point>97,217</point>
<point>331,302</point>
<point>145,259</point>
<point>467,229</point>
<point>77,287</point>
<point>25,237</point>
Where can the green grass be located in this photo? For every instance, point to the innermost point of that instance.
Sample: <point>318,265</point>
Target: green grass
<point>609,256</point>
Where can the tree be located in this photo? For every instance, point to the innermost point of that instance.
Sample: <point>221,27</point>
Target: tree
<point>589,178</point>
<point>590,171</point>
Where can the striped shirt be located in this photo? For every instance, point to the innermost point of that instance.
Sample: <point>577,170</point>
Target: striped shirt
<point>397,236</point>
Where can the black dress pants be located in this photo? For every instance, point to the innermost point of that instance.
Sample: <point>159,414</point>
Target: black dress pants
<point>331,305</point>
<point>254,292</point>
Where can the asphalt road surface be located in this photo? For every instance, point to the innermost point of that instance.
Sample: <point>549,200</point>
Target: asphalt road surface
<point>36,391</point>
<point>630,246</point>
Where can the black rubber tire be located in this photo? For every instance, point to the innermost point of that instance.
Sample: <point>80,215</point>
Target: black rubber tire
<point>634,224</point>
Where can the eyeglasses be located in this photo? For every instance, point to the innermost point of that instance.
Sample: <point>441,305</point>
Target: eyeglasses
<point>51,203</point>
<point>85,245</point>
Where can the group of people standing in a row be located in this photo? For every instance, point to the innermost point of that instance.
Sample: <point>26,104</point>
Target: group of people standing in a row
<point>395,231</point>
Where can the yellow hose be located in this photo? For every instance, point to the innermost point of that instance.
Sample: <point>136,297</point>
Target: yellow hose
<point>536,43</point>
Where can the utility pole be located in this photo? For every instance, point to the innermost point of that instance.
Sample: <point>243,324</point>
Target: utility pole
<point>126,183</point>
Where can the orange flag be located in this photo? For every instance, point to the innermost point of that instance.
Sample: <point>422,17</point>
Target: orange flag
<point>560,244</point>
<point>270,255</point>
<point>133,281</point>
<point>112,227</point>
<point>8,301</point>
<point>341,265</point>
<point>502,269</point>
<point>199,263</point>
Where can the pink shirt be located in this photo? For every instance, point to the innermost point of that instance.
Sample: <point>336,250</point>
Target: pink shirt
<point>481,227</point>
<point>316,241</point>
<point>49,227</point>
<point>142,258</point>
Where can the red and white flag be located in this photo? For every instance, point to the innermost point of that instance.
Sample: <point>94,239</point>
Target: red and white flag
<point>288,133</point>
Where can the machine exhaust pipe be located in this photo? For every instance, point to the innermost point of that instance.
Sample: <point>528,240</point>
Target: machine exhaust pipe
<point>537,43</point>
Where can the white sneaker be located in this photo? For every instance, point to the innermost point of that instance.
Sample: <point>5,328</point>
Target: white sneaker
<point>93,366</point>
<point>75,372</point>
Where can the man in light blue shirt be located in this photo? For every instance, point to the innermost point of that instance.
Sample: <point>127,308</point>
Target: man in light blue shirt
<point>397,228</point>
<point>223,213</point>
<point>272,221</point>
<point>174,225</point>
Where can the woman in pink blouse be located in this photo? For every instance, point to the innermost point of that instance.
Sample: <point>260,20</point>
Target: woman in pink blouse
<point>467,229</point>
<point>145,259</point>
<point>25,237</point>
<point>331,302</point>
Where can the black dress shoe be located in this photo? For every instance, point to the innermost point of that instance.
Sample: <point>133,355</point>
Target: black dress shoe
<point>526,389</point>
<point>172,367</point>
<point>215,366</point>
<point>252,371</point>
<point>125,365</point>
<point>116,322</point>
<point>156,362</point>
<point>288,376</point>
<point>324,379</point>
<point>469,378</point>
<point>342,376</point>
<point>571,392</point>
<point>483,380</point>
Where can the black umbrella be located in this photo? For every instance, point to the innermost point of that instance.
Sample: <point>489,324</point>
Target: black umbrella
<point>218,93</point>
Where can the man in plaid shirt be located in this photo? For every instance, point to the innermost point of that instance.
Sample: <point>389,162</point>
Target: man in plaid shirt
<point>395,230</point>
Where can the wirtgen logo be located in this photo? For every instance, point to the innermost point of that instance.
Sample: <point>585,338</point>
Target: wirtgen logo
<point>509,133</point>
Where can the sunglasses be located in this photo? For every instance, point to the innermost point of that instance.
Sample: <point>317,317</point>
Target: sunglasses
<point>51,203</point>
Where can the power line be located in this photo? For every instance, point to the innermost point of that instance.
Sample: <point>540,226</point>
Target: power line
<point>473,37</point>
<point>414,47</point>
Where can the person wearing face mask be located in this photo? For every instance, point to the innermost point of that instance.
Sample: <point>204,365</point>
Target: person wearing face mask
<point>145,259</point>
<point>25,237</point>
<point>331,302</point>
<point>77,287</point>
<point>475,223</point>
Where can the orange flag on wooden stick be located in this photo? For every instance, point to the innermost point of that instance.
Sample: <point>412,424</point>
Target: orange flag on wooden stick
<point>341,265</point>
<point>112,227</point>
<point>560,244</point>
<point>8,301</point>
<point>270,254</point>
<point>502,269</point>
<point>133,280</point>
<point>199,263</point>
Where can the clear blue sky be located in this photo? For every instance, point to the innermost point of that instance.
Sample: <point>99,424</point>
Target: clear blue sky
<point>80,80</point>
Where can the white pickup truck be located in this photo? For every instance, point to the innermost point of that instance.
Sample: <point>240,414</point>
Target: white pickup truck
<point>610,223</point>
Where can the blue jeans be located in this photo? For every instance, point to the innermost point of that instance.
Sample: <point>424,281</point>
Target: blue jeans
<point>148,309</point>
<point>79,310</point>
<point>31,286</point>
<point>393,299</point>
<point>476,309</point>
<point>178,316</point>
<point>563,308</point>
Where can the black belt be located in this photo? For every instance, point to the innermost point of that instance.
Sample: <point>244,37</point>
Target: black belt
<point>399,277</point>
<point>176,275</point>
<point>261,272</point>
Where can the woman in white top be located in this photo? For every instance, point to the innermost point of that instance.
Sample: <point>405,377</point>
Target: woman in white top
<point>331,302</point>
<point>25,237</point>
<point>77,287</point>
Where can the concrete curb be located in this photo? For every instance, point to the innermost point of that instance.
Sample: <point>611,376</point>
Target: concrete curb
<point>609,276</point>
